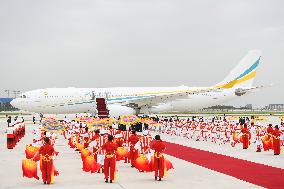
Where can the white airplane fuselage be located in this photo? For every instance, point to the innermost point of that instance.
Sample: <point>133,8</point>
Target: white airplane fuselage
<point>80,100</point>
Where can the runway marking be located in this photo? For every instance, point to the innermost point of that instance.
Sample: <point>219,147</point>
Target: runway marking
<point>255,173</point>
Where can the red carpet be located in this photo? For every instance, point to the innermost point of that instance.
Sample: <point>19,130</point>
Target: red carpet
<point>255,173</point>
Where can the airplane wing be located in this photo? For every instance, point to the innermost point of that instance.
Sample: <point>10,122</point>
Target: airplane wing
<point>243,91</point>
<point>155,99</point>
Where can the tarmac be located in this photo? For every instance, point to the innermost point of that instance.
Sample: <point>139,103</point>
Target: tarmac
<point>69,164</point>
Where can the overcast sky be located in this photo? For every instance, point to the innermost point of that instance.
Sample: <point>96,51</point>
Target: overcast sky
<point>108,43</point>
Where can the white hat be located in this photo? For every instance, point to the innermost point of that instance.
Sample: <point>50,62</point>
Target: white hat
<point>114,126</point>
<point>102,132</point>
<point>37,137</point>
<point>118,135</point>
<point>48,134</point>
<point>145,132</point>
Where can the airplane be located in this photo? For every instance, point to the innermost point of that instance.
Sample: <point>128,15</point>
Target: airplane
<point>119,101</point>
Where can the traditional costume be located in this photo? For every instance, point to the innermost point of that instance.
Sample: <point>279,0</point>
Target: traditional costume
<point>276,141</point>
<point>110,160</point>
<point>159,161</point>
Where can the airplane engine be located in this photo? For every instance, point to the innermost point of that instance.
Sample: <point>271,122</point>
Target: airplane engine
<point>240,92</point>
<point>118,110</point>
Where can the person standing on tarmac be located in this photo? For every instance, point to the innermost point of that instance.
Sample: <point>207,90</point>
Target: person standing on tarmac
<point>110,148</point>
<point>34,119</point>
<point>159,166</point>
<point>9,120</point>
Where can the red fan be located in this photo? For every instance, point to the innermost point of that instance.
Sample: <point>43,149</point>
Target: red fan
<point>79,146</point>
<point>142,164</point>
<point>31,151</point>
<point>168,164</point>
<point>121,153</point>
<point>90,164</point>
<point>235,137</point>
<point>85,153</point>
<point>29,168</point>
<point>267,143</point>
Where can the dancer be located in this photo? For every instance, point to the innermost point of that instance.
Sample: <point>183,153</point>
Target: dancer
<point>159,161</point>
<point>245,136</point>
<point>110,161</point>
<point>276,140</point>
<point>46,151</point>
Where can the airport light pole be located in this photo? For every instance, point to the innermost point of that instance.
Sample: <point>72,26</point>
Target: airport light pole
<point>8,92</point>
<point>16,93</point>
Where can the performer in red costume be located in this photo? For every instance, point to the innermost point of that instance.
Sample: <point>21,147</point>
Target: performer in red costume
<point>159,161</point>
<point>86,137</point>
<point>119,139</point>
<point>110,161</point>
<point>11,135</point>
<point>276,140</point>
<point>46,151</point>
<point>126,135</point>
<point>270,130</point>
<point>112,131</point>
<point>101,153</point>
<point>269,139</point>
<point>133,139</point>
<point>95,140</point>
<point>145,141</point>
<point>245,136</point>
<point>258,139</point>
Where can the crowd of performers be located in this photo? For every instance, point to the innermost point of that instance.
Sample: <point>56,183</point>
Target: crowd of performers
<point>219,130</point>
<point>15,131</point>
<point>100,147</point>
<point>100,150</point>
<point>106,146</point>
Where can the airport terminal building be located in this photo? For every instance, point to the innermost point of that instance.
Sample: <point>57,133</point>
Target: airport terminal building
<point>277,107</point>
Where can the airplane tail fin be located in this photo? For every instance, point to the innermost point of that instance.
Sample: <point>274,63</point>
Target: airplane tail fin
<point>242,76</point>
